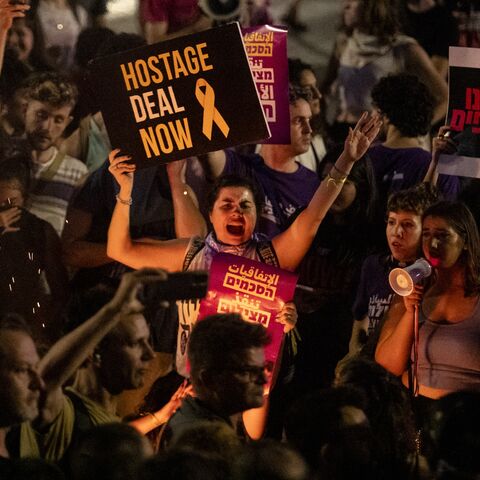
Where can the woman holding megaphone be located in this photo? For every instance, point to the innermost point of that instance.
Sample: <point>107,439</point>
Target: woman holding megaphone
<point>448,309</point>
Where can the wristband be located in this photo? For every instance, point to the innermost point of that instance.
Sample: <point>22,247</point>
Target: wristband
<point>337,182</point>
<point>122,201</point>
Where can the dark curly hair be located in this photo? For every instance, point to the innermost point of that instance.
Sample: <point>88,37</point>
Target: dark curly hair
<point>415,199</point>
<point>52,88</point>
<point>406,102</point>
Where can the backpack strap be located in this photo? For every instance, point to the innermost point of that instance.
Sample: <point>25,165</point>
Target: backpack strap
<point>267,253</point>
<point>82,421</point>
<point>81,424</point>
<point>196,245</point>
<point>50,172</point>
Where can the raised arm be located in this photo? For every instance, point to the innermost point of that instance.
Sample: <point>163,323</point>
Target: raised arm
<point>189,222</point>
<point>120,246</point>
<point>77,251</point>
<point>216,161</point>
<point>395,343</point>
<point>153,420</point>
<point>442,143</point>
<point>66,356</point>
<point>8,12</point>
<point>292,244</point>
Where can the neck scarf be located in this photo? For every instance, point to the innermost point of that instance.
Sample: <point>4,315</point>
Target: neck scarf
<point>214,246</point>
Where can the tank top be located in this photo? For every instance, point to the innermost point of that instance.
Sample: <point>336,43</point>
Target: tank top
<point>449,353</point>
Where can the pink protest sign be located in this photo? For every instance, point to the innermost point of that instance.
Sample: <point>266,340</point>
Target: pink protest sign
<point>266,48</point>
<point>255,290</point>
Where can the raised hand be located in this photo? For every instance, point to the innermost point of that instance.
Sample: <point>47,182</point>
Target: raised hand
<point>121,169</point>
<point>176,169</point>
<point>125,300</point>
<point>361,137</point>
<point>163,415</point>
<point>443,143</point>
<point>9,11</point>
<point>184,390</point>
<point>288,316</point>
<point>8,218</point>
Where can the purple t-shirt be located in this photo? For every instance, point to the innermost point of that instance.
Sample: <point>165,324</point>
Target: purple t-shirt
<point>374,294</point>
<point>282,193</point>
<point>400,168</point>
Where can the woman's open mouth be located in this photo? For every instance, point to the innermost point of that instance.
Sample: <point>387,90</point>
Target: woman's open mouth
<point>236,230</point>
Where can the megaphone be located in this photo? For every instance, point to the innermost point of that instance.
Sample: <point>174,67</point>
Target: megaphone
<point>403,280</point>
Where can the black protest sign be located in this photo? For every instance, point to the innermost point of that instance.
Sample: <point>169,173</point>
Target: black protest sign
<point>463,113</point>
<point>187,96</point>
<point>464,109</point>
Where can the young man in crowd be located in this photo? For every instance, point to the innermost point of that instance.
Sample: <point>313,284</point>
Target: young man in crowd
<point>50,101</point>
<point>227,371</point>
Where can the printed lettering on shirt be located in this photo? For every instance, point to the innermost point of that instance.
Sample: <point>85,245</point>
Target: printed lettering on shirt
<point>377,307</point>
<point>267,210</point>
<point>289,210</point>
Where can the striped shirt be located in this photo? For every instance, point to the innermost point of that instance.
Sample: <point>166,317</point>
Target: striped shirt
<point>53,190</point>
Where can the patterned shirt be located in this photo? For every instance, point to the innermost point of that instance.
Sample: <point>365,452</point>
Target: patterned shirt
<point>54,185</point>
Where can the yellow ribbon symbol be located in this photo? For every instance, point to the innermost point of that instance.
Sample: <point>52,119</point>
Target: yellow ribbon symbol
<point>210,113</point>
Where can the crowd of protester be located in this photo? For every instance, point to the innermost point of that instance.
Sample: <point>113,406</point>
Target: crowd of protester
<point>105,372</point>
